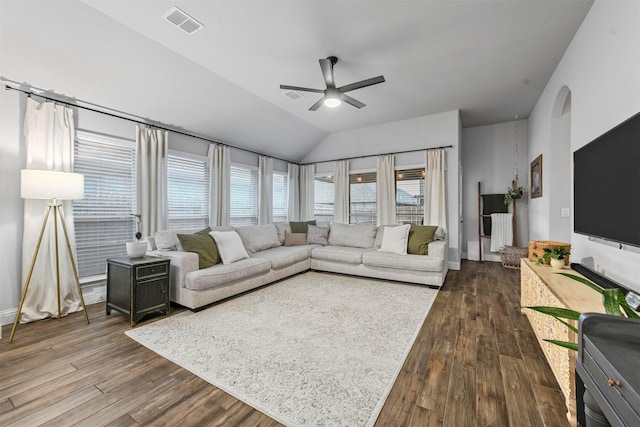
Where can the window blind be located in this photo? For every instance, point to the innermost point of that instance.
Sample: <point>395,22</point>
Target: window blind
<point>410,196</point>
<point>102,219</point>
<point>324,198</point>
<point>280,196</point>
<point>188,193</point>
<point>362,198</point>
<point>243,196</point>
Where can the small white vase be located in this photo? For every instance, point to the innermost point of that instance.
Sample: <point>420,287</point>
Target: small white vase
<point>136,249</point>
<point>557,264</point>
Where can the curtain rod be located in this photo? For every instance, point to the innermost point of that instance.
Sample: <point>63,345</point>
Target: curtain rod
<point>380,154</point>
<point>120,115</point>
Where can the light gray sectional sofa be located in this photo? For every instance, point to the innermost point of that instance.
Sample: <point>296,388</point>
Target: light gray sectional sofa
<point>351,249</point>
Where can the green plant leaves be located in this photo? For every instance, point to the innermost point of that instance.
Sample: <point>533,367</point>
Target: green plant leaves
<point>570,345</point>
<point>612,299</point>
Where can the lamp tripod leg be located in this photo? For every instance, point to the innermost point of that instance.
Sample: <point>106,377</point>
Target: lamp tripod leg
<point>55,233</point>
<point>26,284</point>
<point>73,265</point>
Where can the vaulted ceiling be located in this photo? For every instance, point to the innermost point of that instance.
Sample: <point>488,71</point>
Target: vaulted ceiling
<point>489,59</point>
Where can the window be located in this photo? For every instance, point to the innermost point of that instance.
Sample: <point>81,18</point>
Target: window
<point>103,218</point>
<point>244,195</point>
<point>188,192</point>
<point>362,198</point>
<point>410,196</point>
<point>280,196</point>
<point>324,199</point>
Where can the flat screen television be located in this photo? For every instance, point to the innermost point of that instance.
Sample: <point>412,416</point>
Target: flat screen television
<point>606,184</point>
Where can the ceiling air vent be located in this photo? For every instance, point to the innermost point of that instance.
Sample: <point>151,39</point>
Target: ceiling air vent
<point>293,95</point>
<point>183,21</point>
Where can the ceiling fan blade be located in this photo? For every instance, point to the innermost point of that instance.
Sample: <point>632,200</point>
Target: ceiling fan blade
<point>363,83</point>
<point>302,89</point>
<point>327,72</point>
<point>352,101</point>
<point>317,105</point>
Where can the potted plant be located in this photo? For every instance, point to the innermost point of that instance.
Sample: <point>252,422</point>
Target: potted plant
<point>514,192</point>
<point>556,256</point>
<point>137,249</point>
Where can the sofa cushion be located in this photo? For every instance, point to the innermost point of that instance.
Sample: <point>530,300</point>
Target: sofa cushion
<point>395,239</point>
<point>344,254</point>
<point>226,274</point>
<point>295,239</point>
<point>258,237</point>
<point>317,235</point>
<point>353,235</point>
<point>283,256</point>
<point>419,238</point>
<point>229,246</point>
<point>282,226</point>
<point>203,245</point>
<point>300,226</point>
<point>402,262</point>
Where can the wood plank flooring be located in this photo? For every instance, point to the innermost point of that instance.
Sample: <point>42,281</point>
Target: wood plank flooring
<point>476,362</point>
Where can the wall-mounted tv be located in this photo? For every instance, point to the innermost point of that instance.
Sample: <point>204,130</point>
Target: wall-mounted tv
<point>606,184</point>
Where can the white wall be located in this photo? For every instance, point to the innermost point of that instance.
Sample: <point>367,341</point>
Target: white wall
<point>418,133</point>
<point>488,156</point>
<point>601,68</point>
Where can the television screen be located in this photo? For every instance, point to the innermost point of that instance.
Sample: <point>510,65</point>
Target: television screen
<point>607,185</point>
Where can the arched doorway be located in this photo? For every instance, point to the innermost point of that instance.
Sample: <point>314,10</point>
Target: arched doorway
<point>560,177</point>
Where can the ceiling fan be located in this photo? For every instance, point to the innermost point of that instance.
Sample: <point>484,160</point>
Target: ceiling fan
<point>334,96</point>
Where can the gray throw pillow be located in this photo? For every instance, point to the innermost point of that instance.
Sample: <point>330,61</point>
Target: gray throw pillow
<point>317,235</point>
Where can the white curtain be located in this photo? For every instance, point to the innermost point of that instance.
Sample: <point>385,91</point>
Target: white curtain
<point>49,135</point>
<point>341,191</point>
<point>219,184</point>
<point>294,192</point>
<point>386,190</point>
<point>265,190</point>
<point>435,212</point>
<point>151,179</point>
<point>307,192</point>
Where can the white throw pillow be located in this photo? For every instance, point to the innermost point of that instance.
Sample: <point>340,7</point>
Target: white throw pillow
<point>230,246</point>
<point>395,239</point>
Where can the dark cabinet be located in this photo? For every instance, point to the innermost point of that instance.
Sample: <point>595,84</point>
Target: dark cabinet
<point>137,287</point>
<point>608,369</point>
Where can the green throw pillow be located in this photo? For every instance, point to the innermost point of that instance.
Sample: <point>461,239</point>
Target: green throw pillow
<point>202,244</point>
<point>301,227</point>
<point>419,238</point>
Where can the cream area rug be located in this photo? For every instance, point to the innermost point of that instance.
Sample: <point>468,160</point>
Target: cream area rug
<point>316,349</point>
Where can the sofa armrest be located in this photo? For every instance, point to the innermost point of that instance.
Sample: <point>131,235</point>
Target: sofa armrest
<point>439,249</point>
<point>181,264</point>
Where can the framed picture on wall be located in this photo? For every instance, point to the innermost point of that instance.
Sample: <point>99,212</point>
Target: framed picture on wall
<point>536,177</point>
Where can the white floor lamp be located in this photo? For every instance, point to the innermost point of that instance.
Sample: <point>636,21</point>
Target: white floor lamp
<point>52,186</point>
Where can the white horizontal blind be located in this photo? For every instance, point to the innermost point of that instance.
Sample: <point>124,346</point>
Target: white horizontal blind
<point>362,198</point>
<point>103,218</point>
<point>410,196</point>
<point>188,193</point>
<point>244,195</point>
<point>324,198</point>
<point>280,196</point>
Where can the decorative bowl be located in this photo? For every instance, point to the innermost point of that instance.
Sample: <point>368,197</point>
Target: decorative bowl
<point>136,249</point>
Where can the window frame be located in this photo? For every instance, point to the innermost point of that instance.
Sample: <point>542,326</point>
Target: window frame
<point>254,172</point>
<point>369,177</point>
<point>319,216</point>
<point>129,230</point>
<point>419,215</point>
<point>285,207</point>
<point>204,206</point>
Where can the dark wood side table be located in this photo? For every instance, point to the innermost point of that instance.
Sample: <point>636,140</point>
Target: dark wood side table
<point>138,286</point>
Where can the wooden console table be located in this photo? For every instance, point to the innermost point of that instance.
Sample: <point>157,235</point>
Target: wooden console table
<point>540,285</point>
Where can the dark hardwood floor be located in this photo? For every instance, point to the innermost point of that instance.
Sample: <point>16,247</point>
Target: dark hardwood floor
<point>476,362</point>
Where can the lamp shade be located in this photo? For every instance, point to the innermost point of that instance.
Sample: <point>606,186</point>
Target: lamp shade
<point>45,184</point>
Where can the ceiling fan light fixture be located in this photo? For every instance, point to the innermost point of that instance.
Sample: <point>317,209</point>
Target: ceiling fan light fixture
<point>332,102</point>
